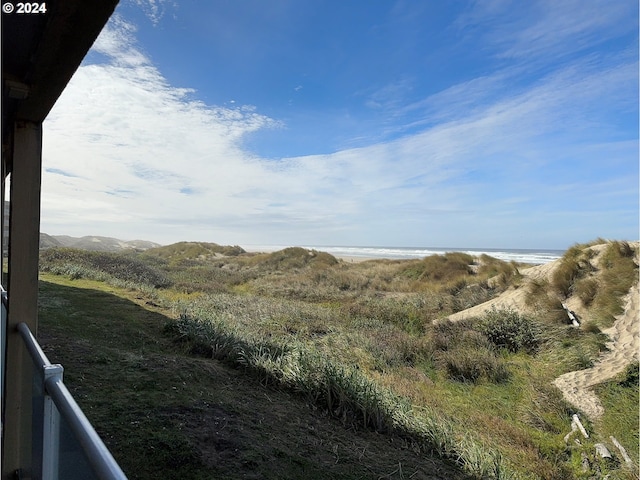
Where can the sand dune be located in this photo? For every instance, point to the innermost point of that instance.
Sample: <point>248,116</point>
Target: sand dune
<point>513,297</point>
<point>624,336</point>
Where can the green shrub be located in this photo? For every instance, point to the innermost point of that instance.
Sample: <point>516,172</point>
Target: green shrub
<point>472,364</point>
<point>466,354</point>
<point>510,330</point>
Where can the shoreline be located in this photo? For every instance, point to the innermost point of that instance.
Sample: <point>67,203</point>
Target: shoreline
<point>352,254</point>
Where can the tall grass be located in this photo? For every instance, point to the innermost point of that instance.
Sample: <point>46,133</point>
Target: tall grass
<point>616,268</point>
<point>574,265</point>
<point>469,351</point>
<point>343,392</point>
<point>441,267</point>
<point>619,273</point>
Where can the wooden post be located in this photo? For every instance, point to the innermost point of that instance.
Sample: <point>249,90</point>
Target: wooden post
<point>24,237</point>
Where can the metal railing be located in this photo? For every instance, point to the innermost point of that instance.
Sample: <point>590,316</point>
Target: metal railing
<point>65,444</point>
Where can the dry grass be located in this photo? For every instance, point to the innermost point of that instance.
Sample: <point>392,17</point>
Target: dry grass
<point>619,272</point>
<point>575,264</point>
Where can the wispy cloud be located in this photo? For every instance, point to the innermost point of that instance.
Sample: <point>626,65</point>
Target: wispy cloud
<point>127,154</point>
<point>57,171</point>
<point>548,28</point>
<point>390,96</point>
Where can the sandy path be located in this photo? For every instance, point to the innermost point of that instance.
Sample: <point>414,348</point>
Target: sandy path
<point>624,345</point>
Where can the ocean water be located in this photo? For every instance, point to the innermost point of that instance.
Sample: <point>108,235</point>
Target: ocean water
<point>533,256</point>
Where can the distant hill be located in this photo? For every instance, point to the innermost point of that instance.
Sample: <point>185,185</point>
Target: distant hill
<point>47,241</point>
<point>96,243</point>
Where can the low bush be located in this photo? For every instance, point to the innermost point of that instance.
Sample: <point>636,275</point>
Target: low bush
<point>470,365</point>
<point>510,330</point>
<point>446,335</point>
<point>466,354</point>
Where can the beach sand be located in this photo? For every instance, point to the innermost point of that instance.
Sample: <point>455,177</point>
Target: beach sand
<point>623,349</point>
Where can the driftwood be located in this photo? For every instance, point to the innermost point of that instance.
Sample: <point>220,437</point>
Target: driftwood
<point>576,425</point>
<point>579,425</point>
<point>603,451</point>
<point>623,452</point>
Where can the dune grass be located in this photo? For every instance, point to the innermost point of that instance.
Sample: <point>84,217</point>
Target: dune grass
<point>167,414</point>
<point>620,398</point>
<point>359,342</point>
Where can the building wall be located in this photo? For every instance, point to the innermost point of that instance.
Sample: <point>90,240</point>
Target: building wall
<point>5,227</point>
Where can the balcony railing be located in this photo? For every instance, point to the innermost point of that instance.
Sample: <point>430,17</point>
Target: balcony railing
<point>64,443</point>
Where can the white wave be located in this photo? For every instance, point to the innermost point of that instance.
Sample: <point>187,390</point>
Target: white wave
<point>516,255</point>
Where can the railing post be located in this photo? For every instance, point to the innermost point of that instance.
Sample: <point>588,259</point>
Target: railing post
<point>51,427</point>
<point>24,237</point>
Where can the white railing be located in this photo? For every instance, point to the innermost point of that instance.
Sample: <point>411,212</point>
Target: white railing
<point>65,444</point>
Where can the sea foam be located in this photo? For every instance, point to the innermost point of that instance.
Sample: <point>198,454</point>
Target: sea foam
<point>532,256</point>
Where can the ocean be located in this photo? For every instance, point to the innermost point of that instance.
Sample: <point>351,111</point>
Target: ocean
<point>533,256</point>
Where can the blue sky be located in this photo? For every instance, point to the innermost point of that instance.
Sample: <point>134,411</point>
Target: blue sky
<point>495,123</point>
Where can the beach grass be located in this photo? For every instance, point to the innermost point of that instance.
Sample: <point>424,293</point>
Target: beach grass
<point>366,343</point>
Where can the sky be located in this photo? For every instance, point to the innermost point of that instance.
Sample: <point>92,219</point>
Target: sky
<point>463,124</point>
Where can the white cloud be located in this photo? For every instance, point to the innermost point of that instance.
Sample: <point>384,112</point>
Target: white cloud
<point>128,155</point>
<point>154,9</point>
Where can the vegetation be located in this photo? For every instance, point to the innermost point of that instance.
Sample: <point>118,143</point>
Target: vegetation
<point>616,269</point>
<point>364,344</point>
<point>620,399</point>
<point>101,266</point>
<point>510,330</point>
